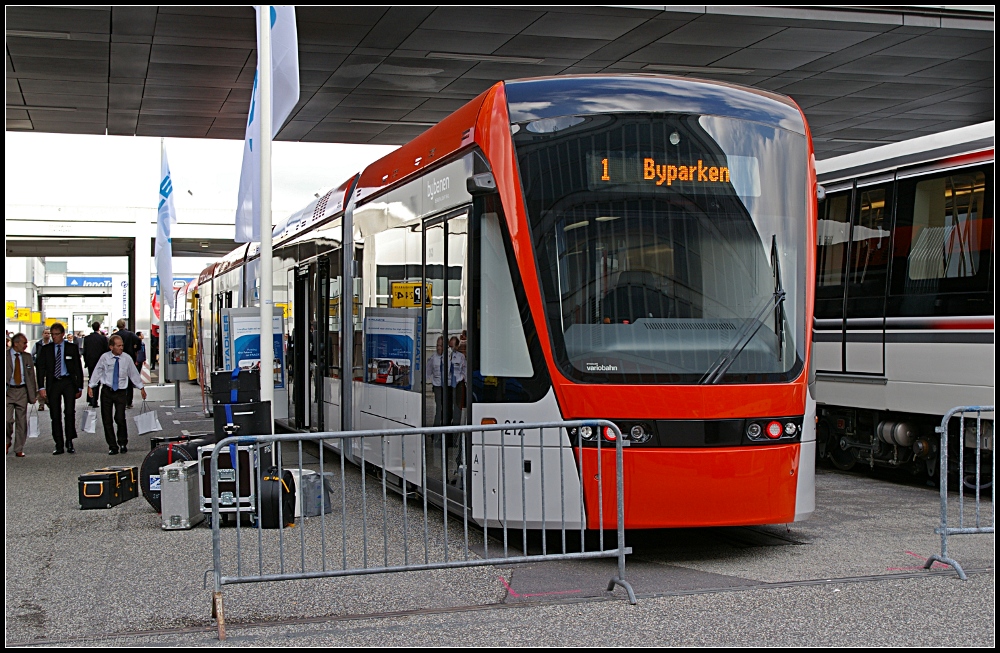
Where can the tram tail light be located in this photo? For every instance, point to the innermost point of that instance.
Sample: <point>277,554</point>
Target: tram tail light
<point>770,429</point>
<point>609,434</point>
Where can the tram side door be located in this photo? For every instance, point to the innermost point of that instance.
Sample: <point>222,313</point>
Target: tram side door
<point>320,337</point>
<point>301,339</point>
<point>444,329</point>
<point>867,273</point>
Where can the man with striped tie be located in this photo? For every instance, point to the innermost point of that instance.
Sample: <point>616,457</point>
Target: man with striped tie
<point>114,371</point>
<point>59,367</point>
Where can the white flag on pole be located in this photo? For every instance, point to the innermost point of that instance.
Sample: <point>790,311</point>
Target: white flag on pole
<point>165,219</point>
<point>284,97</point>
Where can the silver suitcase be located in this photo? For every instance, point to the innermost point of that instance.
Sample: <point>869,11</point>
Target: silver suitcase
<point>180,496</point>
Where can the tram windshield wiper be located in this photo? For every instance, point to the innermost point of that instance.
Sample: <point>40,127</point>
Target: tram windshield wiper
<point>751,327</point>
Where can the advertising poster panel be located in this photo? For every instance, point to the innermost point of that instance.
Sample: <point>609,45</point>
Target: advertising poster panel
<point>390,347</point>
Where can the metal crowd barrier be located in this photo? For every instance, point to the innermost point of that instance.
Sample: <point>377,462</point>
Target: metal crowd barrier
<point>967,478</point>
<point>333,544</point>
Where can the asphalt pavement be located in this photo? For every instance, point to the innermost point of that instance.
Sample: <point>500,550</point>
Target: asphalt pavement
<point>852,575</point>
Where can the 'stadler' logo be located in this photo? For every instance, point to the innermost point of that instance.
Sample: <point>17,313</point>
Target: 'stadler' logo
<point>670,173</point>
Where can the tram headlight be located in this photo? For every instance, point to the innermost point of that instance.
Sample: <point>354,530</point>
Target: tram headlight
<point>790,428</point>
<point>639,434</point>
<point>753,430</point>
<point>587,432</point>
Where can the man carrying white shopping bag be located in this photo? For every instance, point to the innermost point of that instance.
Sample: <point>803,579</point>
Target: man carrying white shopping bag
<point>113,372</point>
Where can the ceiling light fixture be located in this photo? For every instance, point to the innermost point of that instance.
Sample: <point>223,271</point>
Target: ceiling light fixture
<point>28,107</point>
<point>670,68</point>
<point>456,56</point>
<point>33,34</point>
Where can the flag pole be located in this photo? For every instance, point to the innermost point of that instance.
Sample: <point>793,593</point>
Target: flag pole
<point>162,355</point>
<point>264,64</point>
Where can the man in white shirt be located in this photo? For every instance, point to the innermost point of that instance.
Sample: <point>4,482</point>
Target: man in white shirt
<point>114,371</point>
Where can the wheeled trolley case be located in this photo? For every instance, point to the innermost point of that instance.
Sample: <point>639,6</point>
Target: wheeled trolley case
<point>180,499</point>
<point>277,499</point>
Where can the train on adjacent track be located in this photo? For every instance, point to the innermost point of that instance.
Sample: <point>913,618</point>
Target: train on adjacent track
<point>637,247</point>
<point>904,317</point>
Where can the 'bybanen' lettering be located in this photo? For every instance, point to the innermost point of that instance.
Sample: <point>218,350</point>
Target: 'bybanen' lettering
<point>668,174</point>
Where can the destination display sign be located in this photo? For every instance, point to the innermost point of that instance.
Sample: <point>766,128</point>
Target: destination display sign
<point>616,169</point>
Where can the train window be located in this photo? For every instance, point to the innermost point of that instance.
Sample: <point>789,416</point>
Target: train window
<point>946,236</point>
<point>832,233</point>
<point>868,262</point>
<point>503,349</point>
<point>505,359</point>
<point>942,253</point>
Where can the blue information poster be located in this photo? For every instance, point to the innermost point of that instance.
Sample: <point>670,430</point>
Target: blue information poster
<point>244,344</point>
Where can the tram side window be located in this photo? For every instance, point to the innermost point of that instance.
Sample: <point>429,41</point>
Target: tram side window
<point>333,316</point>
<point>506,363</point>
<point>869,255</point>
<point>943,244</point>
<point>833,231</point>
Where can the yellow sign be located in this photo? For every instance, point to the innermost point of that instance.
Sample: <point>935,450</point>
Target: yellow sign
<point>49,321</point>
<point>36,317</point>
<point>11,310</point>
<point>24,315</point>
<point>410,294</point>
<point>284,308</point>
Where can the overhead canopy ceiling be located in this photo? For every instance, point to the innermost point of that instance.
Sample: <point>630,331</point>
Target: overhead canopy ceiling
<point>42,246</point>
<point>864,76</point>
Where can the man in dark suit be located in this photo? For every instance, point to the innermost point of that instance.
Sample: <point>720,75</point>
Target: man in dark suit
<point>131,343</point>
<point>94,346</point>
<point>60,379</point>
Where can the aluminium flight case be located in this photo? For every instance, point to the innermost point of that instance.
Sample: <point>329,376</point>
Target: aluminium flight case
<point>180,496</point>
<point>230,500</point>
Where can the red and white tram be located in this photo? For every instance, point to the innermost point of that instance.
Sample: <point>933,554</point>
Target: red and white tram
<point>637,248</point>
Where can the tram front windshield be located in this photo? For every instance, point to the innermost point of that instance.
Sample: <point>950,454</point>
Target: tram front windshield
<point>671,248</point>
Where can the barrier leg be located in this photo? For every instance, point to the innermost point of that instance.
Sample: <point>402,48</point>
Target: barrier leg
<point>946,561</point>
<point>219,615</point>
<point>623,583</point>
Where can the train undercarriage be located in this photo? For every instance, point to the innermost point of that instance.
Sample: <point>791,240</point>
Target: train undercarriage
<point>851,438</point>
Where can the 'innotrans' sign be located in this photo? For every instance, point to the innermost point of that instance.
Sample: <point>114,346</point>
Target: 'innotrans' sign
<point>76,282</point>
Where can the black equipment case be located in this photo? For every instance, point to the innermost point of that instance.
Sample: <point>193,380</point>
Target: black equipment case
<point>250,419</point>
<point>230,500</point>
<point>236,387</point>
<point>102,489</point>
<point>277,491</point>
<point>130,488</point>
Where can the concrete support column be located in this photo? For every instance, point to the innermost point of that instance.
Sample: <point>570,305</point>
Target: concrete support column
<point>139,273</point>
